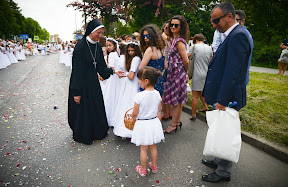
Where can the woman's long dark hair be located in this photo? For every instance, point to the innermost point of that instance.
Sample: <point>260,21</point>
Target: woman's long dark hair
<point>184,28</point>
<point>128,58</point>
<point>155,38</point>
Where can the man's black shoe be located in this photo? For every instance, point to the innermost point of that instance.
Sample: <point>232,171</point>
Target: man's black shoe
<point>213,177</point>
<point>209,163</point>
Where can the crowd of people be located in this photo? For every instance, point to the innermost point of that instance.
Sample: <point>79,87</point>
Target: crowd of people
<point>66,51</point>
<point>12,52</point>
<point>145,73</point>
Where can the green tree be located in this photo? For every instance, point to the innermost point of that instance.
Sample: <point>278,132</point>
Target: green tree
<point>267,22</point>
<point>11,19</point>
<point>13,23</point>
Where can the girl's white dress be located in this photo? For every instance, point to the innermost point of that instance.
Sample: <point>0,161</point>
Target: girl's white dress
<point>4,57</point>
<point>3,62</point>
<point>103,83</point>
<point>112,87</point>
<point>11,56</point>
<point>20,53</point>
<point>68,57</point>
<point>147,129</point>
<point>62,55</point>
<point>127,92</point>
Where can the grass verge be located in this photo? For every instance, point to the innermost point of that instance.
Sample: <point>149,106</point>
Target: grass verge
<point>266,112</point>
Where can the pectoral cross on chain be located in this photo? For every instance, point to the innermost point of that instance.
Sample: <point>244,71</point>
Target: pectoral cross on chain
<point>95,63</point>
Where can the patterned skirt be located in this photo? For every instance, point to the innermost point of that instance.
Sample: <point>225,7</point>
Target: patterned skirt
<point>175,89</point>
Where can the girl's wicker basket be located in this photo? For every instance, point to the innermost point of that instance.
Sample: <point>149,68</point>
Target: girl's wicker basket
<point>128,120</point>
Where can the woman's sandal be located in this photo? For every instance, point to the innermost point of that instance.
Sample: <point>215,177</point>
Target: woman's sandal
<point>192,118</point>
<point>172,126</point>
<point>180,124</point>
<point>203,110</point>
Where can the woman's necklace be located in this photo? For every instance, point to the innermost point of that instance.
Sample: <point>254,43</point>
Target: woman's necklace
<point>94,58</point>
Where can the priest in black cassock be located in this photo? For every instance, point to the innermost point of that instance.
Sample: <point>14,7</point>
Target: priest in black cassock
<point>86,112</point>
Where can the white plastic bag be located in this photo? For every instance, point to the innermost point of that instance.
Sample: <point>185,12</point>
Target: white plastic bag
<point>223,138</point>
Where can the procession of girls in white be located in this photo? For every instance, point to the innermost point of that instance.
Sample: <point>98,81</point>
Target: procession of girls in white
<point>12,52</point>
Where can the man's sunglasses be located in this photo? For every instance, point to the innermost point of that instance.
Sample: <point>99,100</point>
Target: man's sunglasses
<point>217,20</point>
<point>147,36</point>
<point>174,25</point>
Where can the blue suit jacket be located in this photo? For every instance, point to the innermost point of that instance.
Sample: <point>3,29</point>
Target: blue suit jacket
<point>226,76</point>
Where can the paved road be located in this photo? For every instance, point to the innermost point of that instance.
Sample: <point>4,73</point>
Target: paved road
<point>37,149</point>
<point>265,70</point>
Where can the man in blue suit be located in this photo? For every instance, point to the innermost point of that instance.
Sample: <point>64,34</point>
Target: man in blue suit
<point>226,77</point>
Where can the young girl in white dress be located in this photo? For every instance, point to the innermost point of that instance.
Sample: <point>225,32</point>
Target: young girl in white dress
<point>20,54</point>
<point>4,57</point>
<point>128,91</point>
<point>102,43</point>
<point>68,56</point>
<point>9,51</point>
<point>113,84</point>
<point>147,113</point>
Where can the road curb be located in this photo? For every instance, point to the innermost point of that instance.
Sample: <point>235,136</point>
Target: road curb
<point>272,149</point>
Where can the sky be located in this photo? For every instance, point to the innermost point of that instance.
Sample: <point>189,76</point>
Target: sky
<point>53,15</point>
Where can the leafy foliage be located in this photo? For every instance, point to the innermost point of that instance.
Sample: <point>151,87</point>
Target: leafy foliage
<point>265,55</point>
<point>265,20</point>
<point>107,10</point>
<point>267,23</point>
<point>13,23</point>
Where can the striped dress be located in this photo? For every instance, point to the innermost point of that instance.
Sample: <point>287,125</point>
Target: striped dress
<point>175,90</point>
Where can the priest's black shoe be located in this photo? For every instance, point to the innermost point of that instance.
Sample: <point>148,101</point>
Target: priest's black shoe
<point>213,177</point>
<point>209,163</point>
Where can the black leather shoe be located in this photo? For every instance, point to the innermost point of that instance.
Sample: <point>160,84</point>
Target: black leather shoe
<point>209,163</point>
<point>213,177</point>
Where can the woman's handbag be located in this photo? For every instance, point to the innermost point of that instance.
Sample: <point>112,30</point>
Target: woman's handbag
<point>284,56</point>
<point>223,138</point>
<point>191,64</point>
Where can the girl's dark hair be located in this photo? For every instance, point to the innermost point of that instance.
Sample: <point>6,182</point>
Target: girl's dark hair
<point>122,48</point>
<point>128,58</point>
<point>184,28</point>
<point>115,46</point>
<point>149,73</point>
<point>155,38</point>
<point>166,24</point>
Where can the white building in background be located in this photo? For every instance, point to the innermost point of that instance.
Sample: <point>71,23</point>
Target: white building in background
<point>55,38</point>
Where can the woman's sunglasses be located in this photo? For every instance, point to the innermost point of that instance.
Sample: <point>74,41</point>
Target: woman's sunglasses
<point>147,36</point>
<point>164,29</point>
<point>174,25</point>
<point>217,20</point>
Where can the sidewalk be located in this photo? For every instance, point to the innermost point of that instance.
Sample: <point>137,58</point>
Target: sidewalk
<point>265,70</point>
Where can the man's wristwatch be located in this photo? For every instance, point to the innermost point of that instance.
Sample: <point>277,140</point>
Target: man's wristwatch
<point>113,71</point>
